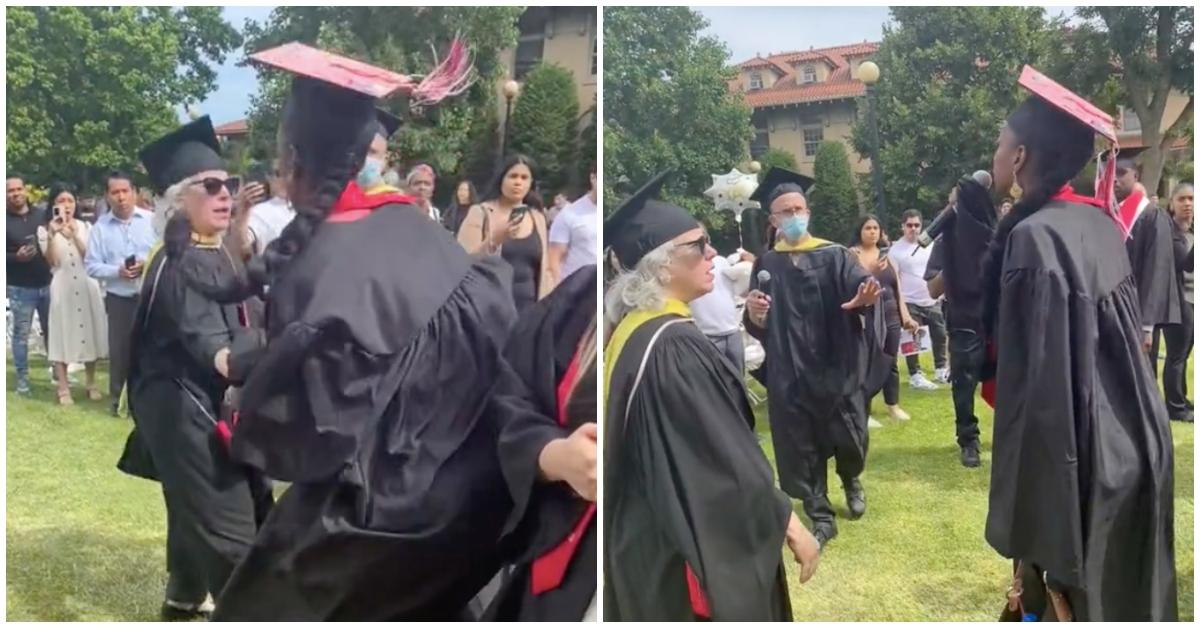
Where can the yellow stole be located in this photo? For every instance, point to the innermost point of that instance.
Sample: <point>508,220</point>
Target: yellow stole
<point>630,324</point>
<point>201,242</point>
<point>807,244</point>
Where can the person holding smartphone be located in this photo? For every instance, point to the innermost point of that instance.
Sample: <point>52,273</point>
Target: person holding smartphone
<point>512,224</point>
<point>78,325</point>
<point>27,286</point>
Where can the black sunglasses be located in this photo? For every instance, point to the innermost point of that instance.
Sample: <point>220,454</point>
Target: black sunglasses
<point>700,244</point>
<point>914,225</point>
<point>213,185</point>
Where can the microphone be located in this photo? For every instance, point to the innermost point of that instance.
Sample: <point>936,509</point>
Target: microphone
<point>764,278</point>
<point>943,219</point>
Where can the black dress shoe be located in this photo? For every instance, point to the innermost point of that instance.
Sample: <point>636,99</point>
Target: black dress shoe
<point>170,612</point>
<point>856,498</point>
<point>824,533</point>
<point>970,455</point>
<point>1186,417</point>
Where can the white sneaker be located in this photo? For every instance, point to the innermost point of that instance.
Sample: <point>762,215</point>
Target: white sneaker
<point>942,375</point>
<point>919,382</point>
<point>873,424</point>
<point>898,413</point>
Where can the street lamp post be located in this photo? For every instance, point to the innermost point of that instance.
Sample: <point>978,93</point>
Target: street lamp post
<point>511,89</point>
<point>868,73</point>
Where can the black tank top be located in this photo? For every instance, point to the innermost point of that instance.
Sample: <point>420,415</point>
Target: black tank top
<point>525,257</point>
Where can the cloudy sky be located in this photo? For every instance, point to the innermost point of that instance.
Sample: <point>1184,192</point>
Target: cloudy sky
<point>235,85</point>
<point>747,31</point>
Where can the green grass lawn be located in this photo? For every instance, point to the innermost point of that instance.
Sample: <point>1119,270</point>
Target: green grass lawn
<point>85,541</point>
<point>919,552</point>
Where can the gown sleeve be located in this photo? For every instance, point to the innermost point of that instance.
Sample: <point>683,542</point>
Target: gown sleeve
<point>712,487</point>
<point>1034,503</point>
<point>523,433</point>
<point>201,324</point>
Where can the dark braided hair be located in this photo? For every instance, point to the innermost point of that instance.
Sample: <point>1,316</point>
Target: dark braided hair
<point>323,142</point>
<point>1058,147</point>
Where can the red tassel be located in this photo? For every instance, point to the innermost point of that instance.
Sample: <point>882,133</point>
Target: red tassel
<point>698,598</point>
<point>453,76</point>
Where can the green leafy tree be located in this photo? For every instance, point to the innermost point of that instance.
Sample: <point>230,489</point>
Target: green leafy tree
<point>89,86</point>
<point>776,157</point>
<point>405,39</point>
<point>667,105</point>
<point>587,150</point>
<point>948,78</point>
<point>545,125</point>
<point>833,200</point>
<point>1137,57</point>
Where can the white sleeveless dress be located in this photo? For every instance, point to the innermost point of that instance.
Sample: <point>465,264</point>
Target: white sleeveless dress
<point>78,322</point>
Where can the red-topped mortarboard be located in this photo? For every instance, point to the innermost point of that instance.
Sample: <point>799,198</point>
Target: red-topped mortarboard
<point>1069,102</point>
<point>335,69</point>
<point>1098,121</point>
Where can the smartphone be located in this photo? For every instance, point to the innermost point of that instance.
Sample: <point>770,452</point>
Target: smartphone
<point>130,261</point>
<point>261,175</point>
<point>518,214</point>
<point>233,184</point>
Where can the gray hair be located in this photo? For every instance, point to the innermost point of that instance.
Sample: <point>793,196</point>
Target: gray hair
<point>640,288</point>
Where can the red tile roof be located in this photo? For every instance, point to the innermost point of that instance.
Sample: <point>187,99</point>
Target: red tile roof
<point>786,91</point>
<point>237,127</point>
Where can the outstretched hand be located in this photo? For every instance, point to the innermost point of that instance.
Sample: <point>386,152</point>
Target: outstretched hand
<point>572,460</point>
<point>868,294</point>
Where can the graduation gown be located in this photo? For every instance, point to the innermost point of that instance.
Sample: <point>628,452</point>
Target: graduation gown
<point>694,525</point>
<point>818,355</point>
<point>175,394</point>
<point>1152,260</point>
<point>1082,458</point>
<point>554,577</point>
<point>379,396</point>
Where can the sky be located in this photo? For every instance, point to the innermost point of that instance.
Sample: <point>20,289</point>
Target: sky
<point>747,31</point>
<point>235,85</point>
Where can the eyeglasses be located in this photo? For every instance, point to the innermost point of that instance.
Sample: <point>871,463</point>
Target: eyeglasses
<point>787,213</point>
<point>699,245</point>
<point>213,185</point>
<point>912,225</point>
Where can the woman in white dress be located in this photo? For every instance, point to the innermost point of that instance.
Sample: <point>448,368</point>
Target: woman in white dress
<point>78,325</point>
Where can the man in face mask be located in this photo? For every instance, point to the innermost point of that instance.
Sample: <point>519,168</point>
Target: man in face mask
<point>370,176</point>
<point>810,316</point>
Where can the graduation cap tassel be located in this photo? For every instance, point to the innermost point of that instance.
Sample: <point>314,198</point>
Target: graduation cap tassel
<point>1106,177</point>
<point>453,76</point>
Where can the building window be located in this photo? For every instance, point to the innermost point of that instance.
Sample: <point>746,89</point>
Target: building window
<point>813,136</point>
<point>1129,120</point>
<point>809,75</point>
<point>762,135</point>
<point>592,28</point>
<point>756,80</point>
<point>531,42</point>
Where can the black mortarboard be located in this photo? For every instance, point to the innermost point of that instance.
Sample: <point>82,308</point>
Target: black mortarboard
<point>776,176</point>
<point>388,123</point>
<point>641,223</point>
<point>190,149</point>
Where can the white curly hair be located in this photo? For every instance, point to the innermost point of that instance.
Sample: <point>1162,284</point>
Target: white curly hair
<point>641,288</point>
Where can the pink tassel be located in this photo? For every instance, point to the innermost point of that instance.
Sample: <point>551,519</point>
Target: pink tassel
<point>1106,178</point>
<point>453,76</point>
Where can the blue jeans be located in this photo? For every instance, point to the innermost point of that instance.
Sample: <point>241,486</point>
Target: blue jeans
<point>24,301</point>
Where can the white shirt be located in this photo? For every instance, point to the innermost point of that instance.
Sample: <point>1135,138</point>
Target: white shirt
<point>268,219</point>
<point>911,267</point>
<point>435,214</point>
<point>716,312</point>
<point>575,227</point>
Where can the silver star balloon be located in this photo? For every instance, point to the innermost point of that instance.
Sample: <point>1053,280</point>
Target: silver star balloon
<point>732,191</point>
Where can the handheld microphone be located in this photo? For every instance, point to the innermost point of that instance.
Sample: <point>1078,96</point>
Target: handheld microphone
<point>764,278</point>
<point>943,219</point>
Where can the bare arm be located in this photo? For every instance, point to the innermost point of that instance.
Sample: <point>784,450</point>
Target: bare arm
<point>936,285</point>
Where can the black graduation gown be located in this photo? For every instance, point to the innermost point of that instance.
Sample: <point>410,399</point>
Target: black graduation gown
<point>1082,459</point>
<point>1152,261</point>
<point>175,395</point>
<point>882,333</point>
<point>818,356</point>
<point>687,485</point>
<point>540,351</point>
<point>379,396</point>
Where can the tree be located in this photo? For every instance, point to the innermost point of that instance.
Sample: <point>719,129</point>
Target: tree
<point>833,200</point>
<point>587,149</point>
<point>545,125</point>
<point>405,39</point>
<point>89,86</point>
<point>668,104</point>
<point>1148,50</point>
<point>775,157</point>
<point>948,79</point>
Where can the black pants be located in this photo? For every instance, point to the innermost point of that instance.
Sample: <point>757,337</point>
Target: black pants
<point>121,311</point>
<point>1179,340</point>
<point>966,360</point>
<point>933,317</point>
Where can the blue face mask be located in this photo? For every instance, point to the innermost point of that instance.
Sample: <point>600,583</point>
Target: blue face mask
<point>371,173</point>
<point>795,227</point>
